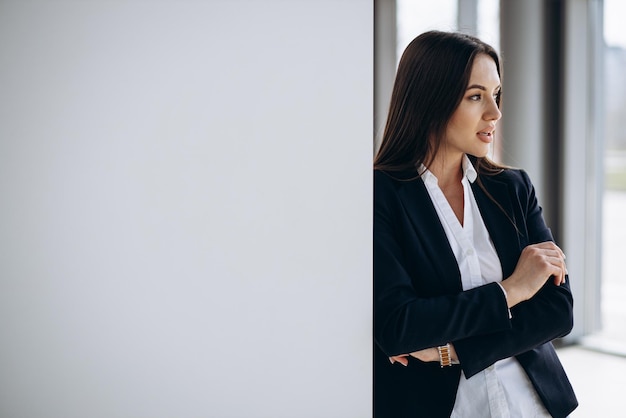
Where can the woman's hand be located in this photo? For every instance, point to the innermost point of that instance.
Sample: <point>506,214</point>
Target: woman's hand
<point>536,264</point>
<point>426,355</point>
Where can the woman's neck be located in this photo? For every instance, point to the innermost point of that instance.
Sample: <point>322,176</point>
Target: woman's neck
<point>448,170</point>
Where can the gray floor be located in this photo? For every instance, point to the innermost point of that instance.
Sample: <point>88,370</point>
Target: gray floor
<point>599,380</point>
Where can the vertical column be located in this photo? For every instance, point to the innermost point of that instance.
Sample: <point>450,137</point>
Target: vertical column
<point>467,16</point>
<point>522,131</point>
<point>384,62</point>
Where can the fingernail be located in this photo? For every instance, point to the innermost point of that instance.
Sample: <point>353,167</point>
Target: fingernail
<point>391,360</point>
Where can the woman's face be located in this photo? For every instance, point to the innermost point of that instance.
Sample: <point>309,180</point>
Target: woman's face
<point>472,125</point>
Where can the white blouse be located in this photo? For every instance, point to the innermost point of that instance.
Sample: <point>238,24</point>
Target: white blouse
<point>503,389</point>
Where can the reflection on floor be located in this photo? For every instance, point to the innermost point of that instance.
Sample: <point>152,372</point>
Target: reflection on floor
<point>613,278</point>
<point>599,380</point>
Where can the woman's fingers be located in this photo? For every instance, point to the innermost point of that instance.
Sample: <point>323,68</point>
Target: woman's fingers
<point>555,258</point>
<point>559,269</point>
<point>549,245</point>
<point>537,264</point>
<point>402,359</point>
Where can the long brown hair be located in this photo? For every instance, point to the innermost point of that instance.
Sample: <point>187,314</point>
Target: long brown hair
<point>432,76</point>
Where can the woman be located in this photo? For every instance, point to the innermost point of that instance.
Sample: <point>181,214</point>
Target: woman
<point>469,288</point>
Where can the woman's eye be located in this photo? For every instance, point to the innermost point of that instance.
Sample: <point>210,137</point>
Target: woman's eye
<point>475,97</point>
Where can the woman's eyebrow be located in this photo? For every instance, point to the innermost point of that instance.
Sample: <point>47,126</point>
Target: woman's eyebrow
<point>478,86</point>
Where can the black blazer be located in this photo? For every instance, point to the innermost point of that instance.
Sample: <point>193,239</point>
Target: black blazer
<point>419,301</point>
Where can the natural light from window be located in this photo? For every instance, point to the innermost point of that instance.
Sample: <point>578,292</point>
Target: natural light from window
<point>614,200</point>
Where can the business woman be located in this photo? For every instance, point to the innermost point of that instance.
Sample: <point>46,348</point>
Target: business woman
<point>469,287</point>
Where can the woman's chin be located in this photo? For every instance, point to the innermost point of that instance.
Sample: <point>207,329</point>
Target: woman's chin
<point>479,153</point>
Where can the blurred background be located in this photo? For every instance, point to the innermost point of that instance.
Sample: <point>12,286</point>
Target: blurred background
<point>185,195</point>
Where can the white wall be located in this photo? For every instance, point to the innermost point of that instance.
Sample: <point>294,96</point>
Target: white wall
<point>185,208</point>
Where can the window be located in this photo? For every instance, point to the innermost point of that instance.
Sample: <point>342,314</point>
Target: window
<point>614,200</point>
<point>415,17</point>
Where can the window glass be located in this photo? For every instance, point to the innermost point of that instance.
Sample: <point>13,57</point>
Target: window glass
<point>489,22</point>
<point>417,16</point>
<point>614,200</point>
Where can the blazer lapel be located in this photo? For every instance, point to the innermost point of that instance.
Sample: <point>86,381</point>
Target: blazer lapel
<point>500,227</point>
<point>430,232</point>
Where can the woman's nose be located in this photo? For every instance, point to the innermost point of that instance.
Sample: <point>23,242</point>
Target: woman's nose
<point>493,113</point>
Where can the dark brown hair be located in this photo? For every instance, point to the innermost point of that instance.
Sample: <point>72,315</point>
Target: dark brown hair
<point>432,76</point>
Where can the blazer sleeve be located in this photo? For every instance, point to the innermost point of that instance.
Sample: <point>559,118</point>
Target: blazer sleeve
<point>405,321</point>
<point>547,315</point>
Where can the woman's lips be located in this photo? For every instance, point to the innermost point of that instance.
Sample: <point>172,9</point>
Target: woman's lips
<point>485,136</point>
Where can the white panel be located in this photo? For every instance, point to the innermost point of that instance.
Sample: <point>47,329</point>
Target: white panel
<point>185,213</point>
